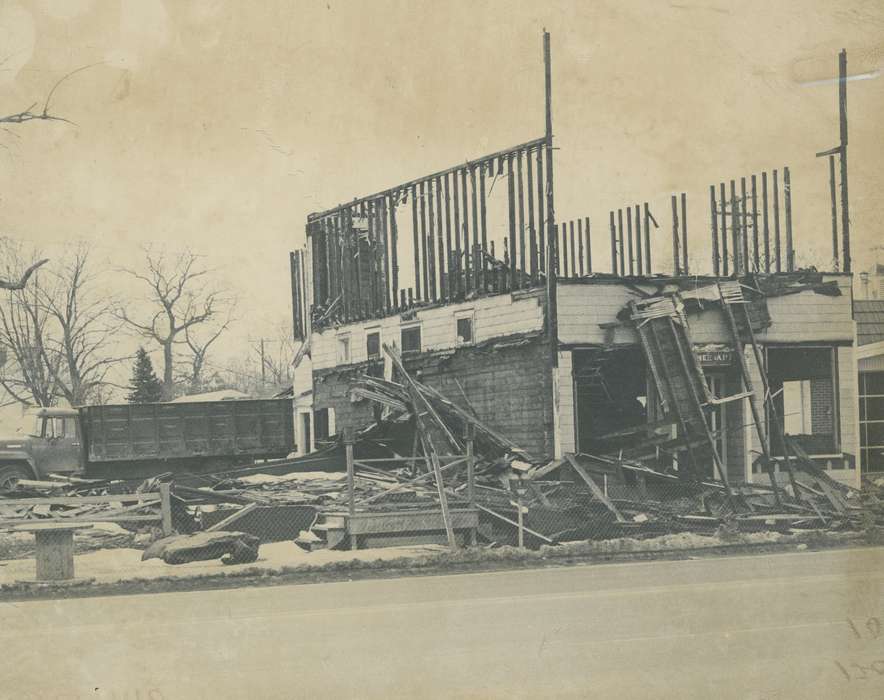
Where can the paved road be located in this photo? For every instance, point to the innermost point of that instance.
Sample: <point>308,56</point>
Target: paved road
<point>745,627</point>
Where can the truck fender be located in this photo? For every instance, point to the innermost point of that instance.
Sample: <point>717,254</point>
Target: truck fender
<point>18,459</point>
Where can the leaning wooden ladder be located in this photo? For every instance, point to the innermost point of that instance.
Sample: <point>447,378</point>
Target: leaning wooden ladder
<point>663,332</point>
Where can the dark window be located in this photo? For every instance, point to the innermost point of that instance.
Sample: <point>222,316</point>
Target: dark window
<point>411,339</point>
<point>373,345</point>
<point>802,383</point>
<point>464,330</point>
<point>320,424</point>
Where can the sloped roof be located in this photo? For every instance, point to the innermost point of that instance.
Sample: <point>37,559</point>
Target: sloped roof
<point>869,316</point>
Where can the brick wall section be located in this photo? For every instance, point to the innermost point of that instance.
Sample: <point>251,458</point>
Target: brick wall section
<point>510,388</point>
<point>822,405</point>
<point>331,390</point>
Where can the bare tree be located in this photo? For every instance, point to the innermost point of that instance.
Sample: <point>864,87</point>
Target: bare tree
<point>85,328</point>
<point>24,277</point>
<point>57,331</point>
<point>29,114</point>
<point>277,356</point>
<point>182,298</point>
<point>195,365</point>
<point>30,368</point>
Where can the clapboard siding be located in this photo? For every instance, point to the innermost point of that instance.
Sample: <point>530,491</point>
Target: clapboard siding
<point>494,316</point>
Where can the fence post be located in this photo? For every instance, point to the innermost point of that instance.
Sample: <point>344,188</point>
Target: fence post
<point>166,508</point>
<point>351,497</point>
<point>471,476</point>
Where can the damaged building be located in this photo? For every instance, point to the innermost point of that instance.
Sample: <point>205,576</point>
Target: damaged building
<point>572,360</point>
<point>512,315</point>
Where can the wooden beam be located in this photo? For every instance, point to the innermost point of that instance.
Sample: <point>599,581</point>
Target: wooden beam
<point>541,229</point>
<point>532,233</point>
<point>787,206</point>
<point>725,262</point>
<point>638,241</point>
<point>232,518</point>
<point>847,261</point>
<point>416,240</point>
<point>521,219</point>
<point>716,266</point>
<point>776,220</point>
<point>594,487</point>
<point>613,244</point>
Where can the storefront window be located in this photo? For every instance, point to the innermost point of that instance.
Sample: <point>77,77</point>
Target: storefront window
<point>803,388</point>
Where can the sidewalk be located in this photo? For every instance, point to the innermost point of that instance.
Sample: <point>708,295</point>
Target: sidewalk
<point>124,564</point>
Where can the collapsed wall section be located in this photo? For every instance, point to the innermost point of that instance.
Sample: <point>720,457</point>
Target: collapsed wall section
<point>489,355</point>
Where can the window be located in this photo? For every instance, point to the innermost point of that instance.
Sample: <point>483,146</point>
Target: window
<point>320,424</point>
<point>802,382</point>
<point>70,428</point>
<point>373,345</point>
<point>871,420</point>
<point>411,339</point>
<point>464,329</point>
<point>344,349</point>
<point>797,409</point>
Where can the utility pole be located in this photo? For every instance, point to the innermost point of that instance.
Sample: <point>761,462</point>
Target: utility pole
<point>263,367</point>
<point>842,123</point>
<point>552,253</point>
<point>841,151</point>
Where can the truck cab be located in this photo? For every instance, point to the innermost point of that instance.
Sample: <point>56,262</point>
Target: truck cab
<point>52,446</point>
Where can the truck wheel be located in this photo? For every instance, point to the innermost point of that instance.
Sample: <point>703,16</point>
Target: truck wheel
<point>9,475</point>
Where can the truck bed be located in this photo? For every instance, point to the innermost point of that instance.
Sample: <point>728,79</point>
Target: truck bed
<point>259,429</point>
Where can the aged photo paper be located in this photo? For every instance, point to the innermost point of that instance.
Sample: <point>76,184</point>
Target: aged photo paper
<point>484,349</point>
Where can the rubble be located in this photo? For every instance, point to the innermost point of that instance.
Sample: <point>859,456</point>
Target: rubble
<point>230,547</point>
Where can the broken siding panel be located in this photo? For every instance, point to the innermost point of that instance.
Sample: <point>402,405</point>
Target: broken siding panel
<point>566,438</point>
<point>709,326</point>
<point>510,390</point>
<point>808,316</point>
<point>582,307</point>
<point>495,316</point>
<point>848,402</point>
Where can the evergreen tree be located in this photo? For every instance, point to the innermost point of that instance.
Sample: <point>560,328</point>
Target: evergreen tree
<point>145,386</point>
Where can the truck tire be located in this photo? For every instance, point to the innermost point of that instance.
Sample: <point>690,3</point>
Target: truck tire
<point>11,473</point>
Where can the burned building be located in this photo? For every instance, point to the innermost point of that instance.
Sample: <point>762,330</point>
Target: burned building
<point>570,359</point>
<point>507,311</point>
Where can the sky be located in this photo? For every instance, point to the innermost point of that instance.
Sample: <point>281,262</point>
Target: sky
<point>220,126</point>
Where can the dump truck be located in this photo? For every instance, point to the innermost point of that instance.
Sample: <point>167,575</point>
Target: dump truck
<point>130,441</point>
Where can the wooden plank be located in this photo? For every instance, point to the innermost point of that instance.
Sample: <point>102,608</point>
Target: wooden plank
<point>166,508</point>
<point>594,487</point>
<point>467,258</point>
<point>521,218</point>
<point>505,519</point>
<point>80,500</point>
<point>394,245</point>
<point>440,241</point>
<point>613,245</point>
<point>532,233</point>
<point>484,227</point>
<point>716,269</point>
<point>541,232</point>
<point>776,220</point>
<point>511,204</point>
<point>476,257</point>
<point>722,205</point>
<point>410,521</point>
<point>232,518</point>
<point>415,235</point>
